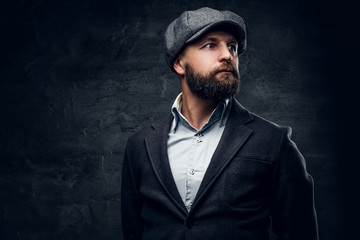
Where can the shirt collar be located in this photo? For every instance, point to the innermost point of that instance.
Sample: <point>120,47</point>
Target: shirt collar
<point>221,112</point>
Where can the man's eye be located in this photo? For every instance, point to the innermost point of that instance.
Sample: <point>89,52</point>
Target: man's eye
<point>209,45</point>
<point>232,48</point>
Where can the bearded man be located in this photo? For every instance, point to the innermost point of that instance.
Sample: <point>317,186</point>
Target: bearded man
<point>212,169</point>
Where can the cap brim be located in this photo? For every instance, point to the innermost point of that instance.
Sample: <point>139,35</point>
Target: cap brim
<point>232,27</point>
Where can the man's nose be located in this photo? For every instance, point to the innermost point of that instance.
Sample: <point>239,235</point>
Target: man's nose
<point>225,54</point>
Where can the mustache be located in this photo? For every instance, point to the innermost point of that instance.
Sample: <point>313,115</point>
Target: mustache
<point>227,68</point>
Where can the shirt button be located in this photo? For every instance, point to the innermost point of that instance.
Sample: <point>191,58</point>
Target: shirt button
<point>198,140</point>
<point>192,171</point>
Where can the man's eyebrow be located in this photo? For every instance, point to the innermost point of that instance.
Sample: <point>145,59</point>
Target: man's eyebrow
<point>233,41</point>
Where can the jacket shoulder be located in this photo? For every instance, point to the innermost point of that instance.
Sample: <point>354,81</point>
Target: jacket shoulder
<point>266,140</point>
<point>265,124</point>
<point>256,122</point>
<point>269,133</point>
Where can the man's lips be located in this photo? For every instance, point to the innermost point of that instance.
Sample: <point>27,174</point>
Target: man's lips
<point>225,71</point>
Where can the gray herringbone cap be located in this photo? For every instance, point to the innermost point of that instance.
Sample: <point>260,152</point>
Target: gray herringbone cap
<point>191,25</point>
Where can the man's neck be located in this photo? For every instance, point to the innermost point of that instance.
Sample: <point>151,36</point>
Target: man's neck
<point>196,110</point>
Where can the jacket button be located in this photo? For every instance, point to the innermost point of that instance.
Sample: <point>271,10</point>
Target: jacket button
<point>189,224</point>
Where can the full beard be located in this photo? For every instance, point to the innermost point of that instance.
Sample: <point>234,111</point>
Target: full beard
<point>212,86</point>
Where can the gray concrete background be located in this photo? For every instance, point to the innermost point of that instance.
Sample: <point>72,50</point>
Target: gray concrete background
<point>79,77</point>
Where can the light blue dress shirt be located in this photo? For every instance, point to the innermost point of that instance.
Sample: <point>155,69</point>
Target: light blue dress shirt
<point>190,150</point>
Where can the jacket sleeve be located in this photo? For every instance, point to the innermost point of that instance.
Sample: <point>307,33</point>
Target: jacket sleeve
<point>292,205</point>
<point>131,201</point>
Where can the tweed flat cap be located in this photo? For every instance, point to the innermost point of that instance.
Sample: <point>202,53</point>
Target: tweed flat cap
<point>192,25</point>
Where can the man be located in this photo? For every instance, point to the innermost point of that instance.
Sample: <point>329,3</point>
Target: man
<point>213,170</point>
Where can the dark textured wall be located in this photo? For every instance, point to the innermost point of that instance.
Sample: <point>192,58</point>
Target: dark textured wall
<point>79,77</point>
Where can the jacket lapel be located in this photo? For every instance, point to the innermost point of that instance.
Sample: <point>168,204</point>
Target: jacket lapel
<point>156,144</point>
<point>233,138</point>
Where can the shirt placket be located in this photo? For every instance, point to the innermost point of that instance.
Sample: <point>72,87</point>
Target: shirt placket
<point>191,180</point>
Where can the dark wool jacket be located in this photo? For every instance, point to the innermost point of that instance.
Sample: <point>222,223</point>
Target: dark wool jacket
<point>256,179</point>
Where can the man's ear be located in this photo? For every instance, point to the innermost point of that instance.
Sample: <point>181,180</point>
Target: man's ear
<point>178,66</point>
